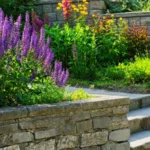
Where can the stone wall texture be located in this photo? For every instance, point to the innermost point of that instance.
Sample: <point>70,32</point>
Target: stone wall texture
<point>49,6</point>
<point>140,18</point>
<point>96,124</point>
<point>95,6</point>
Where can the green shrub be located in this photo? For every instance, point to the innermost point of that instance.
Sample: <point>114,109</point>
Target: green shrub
<point>137,37</point>
<point>75,47</point>
<point>115,73</point>
<point>16,7</point>
<point>76,95</point>
<point>133,72</point>
<point>127,6</point>
<point>111,41</point>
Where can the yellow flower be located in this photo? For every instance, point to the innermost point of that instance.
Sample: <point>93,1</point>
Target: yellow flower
<point>104,17</point>
<point>86,3</point>
<point>120,18</point>
<point>84,8</point>
<point>73,6</point>
<point>83,1</point>
<point>59,4</point>
<point>93,15</point>
<point>58,8</point>
<point>112,15</point>
<point>83,12</point>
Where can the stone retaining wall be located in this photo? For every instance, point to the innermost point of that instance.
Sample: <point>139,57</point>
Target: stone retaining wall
<point>95,124</point>
<point>49,6</point>
<point>141,18</point>
<point>95,6</point>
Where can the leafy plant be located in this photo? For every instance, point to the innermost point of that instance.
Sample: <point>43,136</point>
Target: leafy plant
<point>137,36</point>
<point>127,6</point>
<point>27,65</point>
<point>111,41</point>
<point>132,72</point>
<point>17,7</point>
<point>76,95</point>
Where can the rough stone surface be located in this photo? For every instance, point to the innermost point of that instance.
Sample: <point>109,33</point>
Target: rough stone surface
<point>13,113</point>
<point>114,146</point>
<point>120,110</point>
<point>22,137</point>
<point>47,133</point>
<point>94,124</point>
<point>46,145</point>
<point>120,135</point>
<point>101,122</point>
<point>92,139</point>
<point>84,126</point>
<point>13,147</point>
<point>79,117</point>
<point>67,142</point>
<point>8,128</point>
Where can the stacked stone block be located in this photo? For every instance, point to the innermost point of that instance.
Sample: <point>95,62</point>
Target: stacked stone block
<point>49,6</point>
<point>95,124</point>
<point>140,18</point>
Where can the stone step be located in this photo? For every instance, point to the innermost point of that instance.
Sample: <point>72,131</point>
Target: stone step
<point>140,141</point>
<point>139,120</point>
<point>139,101</point>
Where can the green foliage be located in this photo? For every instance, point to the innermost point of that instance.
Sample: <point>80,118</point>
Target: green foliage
<point>111,41</point>
<point>75,47</point>
<point>18,87</point>
<point>16,7</point>
<point>127,6</point>
<point>133,72</point>
<point>115,73</point>
<point>76,95</point>
<point>137,37</point>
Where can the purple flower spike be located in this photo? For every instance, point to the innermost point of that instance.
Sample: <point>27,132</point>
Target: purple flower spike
<point>30,40</point>
<point>59,75</point>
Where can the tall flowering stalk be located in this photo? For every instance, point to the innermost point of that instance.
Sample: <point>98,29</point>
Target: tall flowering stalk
<point>29,42</point>
<point>59,75</point>
<point>66,5</point>
<point>38,23</point>
<point>66,8</point>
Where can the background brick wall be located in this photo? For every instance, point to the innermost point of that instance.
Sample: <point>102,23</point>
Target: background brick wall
<point>49,6</point>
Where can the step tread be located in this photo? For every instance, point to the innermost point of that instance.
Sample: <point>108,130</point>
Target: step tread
<point>140,139</point>
<point>139,114</point>
<point>132,96</point>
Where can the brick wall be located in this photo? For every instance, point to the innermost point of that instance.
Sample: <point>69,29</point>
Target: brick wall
<point>95,124</point>
<point>49,6</point>
<point>141,18</point>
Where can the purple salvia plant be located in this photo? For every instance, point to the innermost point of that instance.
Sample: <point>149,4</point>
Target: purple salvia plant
<point>59,75</point>
<point>10,39</point>
<point>26,36</point>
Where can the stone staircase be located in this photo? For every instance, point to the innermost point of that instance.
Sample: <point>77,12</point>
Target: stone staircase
<point>138,116</point>
<point>139,122</point>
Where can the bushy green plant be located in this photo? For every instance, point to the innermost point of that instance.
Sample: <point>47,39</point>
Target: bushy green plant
<point>133,72</point>
<point>127,6</point>
<point>137,36</point>
<point>27,75</point>
<point>75,47</point>
<point>111,41</point>
<point>19,86</point>
<point>76,95</point>
<point>16,7</point>
<point>115,73</point>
